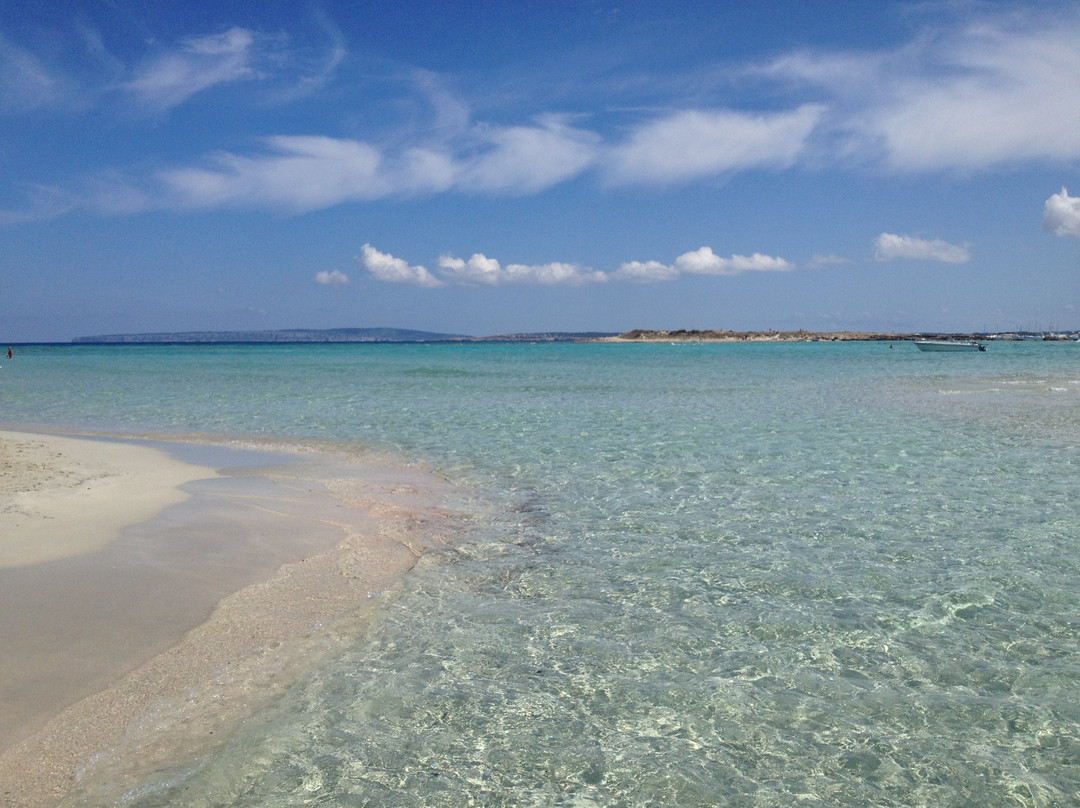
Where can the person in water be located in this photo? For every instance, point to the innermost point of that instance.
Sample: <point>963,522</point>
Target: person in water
<point>9,353</point>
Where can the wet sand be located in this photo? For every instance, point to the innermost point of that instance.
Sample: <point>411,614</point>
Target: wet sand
<point>133,639</point>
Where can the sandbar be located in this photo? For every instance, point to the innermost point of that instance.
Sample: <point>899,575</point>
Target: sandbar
<point>149,604</point>
<point>61,496</point>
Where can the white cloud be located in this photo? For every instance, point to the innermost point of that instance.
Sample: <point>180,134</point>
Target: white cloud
<point>1061,216</point>
<point>645,272</point>
<point>527,159</point>
<point>386,267</point>
<point>994,90</point>
<point>306,173</point>
<point>888,246</point>
<point>998,90</point>
<point>704,261</point>
<point>554,274</point>
<point>199,63</point>
<point>332,278</point>
<point>702,143</point>
<point>826,261</point>
<point>480,269</point>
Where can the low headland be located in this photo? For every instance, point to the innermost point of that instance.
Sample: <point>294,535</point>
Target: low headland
<point>724,335</point>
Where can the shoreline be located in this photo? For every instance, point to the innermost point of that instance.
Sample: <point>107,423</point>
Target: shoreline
<point>683,335</point>
<point>63,496</point>
<point>261,610</point>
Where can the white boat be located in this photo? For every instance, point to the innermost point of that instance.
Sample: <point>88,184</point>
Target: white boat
<point>949,345</point>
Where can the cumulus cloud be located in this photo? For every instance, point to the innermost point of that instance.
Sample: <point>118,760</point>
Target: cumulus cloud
<point>199,63</point>
<point>479,269</point>
<point>385,267</point>
<point>1061,216</point>
<point>888,246</point>
<point>704,261</point>
<point>332,278</point>
<point>692,144</point>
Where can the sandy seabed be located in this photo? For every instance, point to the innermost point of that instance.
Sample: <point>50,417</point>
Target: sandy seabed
<point>149,604</point>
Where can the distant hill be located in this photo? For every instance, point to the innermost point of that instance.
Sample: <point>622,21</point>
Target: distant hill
<point>282,335</point>
<point>298,335</point>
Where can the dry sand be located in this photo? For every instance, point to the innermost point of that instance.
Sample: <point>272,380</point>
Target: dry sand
<point>129,649</point>
<point>61,496</point>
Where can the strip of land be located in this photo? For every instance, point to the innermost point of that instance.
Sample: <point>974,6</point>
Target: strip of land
<point>132,638</point>
<point>684,335</point>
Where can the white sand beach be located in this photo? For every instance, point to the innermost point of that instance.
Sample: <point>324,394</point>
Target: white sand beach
<point>132,631</point>
<point>62,496</point>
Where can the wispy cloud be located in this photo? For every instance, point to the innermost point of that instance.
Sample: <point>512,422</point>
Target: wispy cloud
<point>42,203</point>
<point>25,82</point>
<point>991,90</point>
<point>527,159</point>
<point>197,64</point>
<point>826,261</point>
<point>994,90</point>
<point>888,246</point>
<point>1061,215</point>
<point>304,173</point>
<point>299,174</point>
<point>645,272</point>
<point>692,144</point>
<point>322,67</point>
<point>334,277</point>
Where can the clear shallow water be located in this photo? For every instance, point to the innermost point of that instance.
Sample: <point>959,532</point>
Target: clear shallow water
<point>815,574</point>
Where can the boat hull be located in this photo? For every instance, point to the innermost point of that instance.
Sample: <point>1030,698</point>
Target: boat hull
<point>948,345</point>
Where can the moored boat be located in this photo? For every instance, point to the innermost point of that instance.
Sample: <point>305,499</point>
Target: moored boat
<point>949,345</point>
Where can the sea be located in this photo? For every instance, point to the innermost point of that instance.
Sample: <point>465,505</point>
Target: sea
<point>693,574</point>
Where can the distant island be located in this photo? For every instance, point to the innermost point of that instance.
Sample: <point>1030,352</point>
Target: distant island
<point>310,335</point>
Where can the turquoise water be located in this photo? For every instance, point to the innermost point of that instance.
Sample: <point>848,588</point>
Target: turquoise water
<point>731,574</point>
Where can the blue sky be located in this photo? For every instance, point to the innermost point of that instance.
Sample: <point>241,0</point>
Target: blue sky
<point>494,167</point>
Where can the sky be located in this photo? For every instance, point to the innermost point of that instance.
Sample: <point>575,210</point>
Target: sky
<point>566,165</point>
